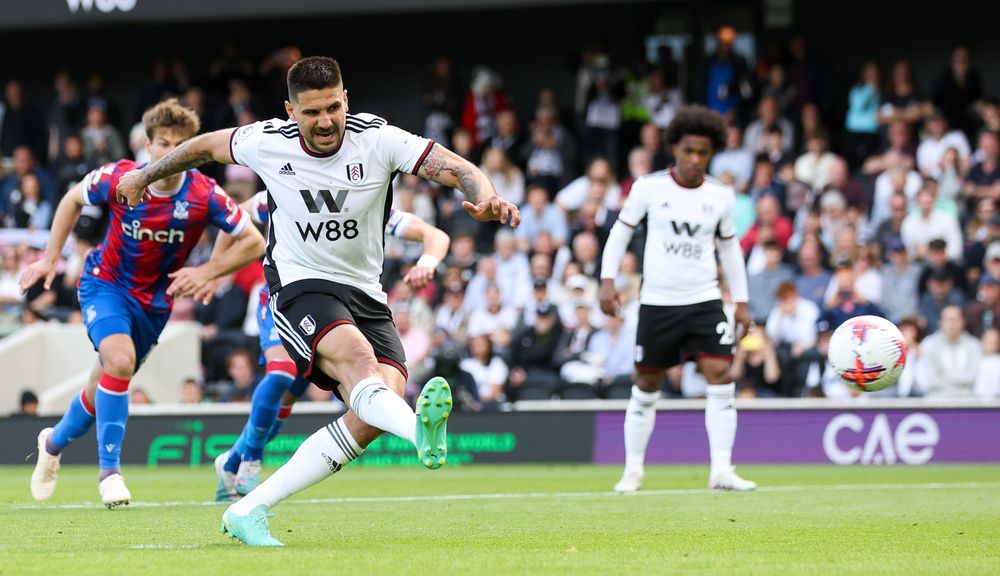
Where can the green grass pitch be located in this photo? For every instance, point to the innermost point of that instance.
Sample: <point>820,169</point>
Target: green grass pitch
<point>804,520</point>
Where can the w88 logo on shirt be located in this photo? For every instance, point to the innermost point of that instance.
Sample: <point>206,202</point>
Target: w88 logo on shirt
<point>332,230</point>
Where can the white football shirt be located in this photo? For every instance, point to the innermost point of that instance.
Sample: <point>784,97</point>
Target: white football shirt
<point>328,212</point>
<point>679,265</point>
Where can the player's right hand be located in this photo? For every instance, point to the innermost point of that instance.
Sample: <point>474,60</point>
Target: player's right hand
<point>206,292</point>
<point>132,189</point>
<point>610,304</point>
<point>42,268</point>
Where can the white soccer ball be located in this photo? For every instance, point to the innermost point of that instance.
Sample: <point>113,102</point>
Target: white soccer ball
<point>868,353</point>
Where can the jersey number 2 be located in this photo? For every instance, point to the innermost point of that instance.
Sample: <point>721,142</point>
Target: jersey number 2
<point>725,333</point>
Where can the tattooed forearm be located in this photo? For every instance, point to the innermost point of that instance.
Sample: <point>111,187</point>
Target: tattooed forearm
<point>184,157</point>
<point>449,169</point>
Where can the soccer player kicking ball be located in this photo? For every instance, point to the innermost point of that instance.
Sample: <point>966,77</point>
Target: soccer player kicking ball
<point>238,469</point>
<point>680,312</point>
<point>126,290</point>
<point>328,175</point>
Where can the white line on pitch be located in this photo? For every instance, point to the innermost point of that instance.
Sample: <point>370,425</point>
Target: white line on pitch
<point>519,495</point>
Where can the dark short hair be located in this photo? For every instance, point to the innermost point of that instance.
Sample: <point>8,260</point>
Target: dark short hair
<point>313,73</point>
<point>697,121</point>
<point>937,244</point>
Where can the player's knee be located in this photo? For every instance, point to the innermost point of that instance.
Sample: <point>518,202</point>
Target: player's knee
<point>119,364</point>
<point>720,375</point>
<point>649,382</point>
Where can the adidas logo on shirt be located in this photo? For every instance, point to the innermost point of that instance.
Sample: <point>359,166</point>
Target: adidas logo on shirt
<point>287,170</point>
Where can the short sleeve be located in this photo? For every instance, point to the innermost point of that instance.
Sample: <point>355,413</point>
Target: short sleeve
<point>398,222</point>
<point>634,210</point>
<point>401,150</point>
<point>244,143</point>
<point>96,187</point>
<point>727,227</point>
<point>259,213</point>
<point>225,213</point>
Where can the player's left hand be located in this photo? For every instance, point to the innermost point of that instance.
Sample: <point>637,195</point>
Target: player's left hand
<point>205,294</point>
<point>188,281</point>
<point>132,188</point>
<point>742,319</point>
<point>419,276</point>
<point>494,209</point>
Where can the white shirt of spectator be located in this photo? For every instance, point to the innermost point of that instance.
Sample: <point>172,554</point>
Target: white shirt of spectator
<point>573,196</point>
<point>884,191</point>
<point>917,232</point>
<point>679,266</point>
<point>337,237</point>
<point>486,376</point>
<point>930,151</point>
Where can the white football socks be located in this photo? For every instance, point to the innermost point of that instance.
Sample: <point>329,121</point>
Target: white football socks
<point>378,406</point>
<point>640,417</point>
<point>320,456</point>
<point>720,422</point>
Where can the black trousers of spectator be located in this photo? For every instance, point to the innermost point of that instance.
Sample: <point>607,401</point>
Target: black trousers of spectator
<point>793,371</point>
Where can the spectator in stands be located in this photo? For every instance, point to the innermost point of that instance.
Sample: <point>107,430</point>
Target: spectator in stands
<point>241,380</point>
<point>531,354</point>
<point>901,104</point>
<point>540,215</point>
<point>602,118</point>
<point>24,163</point>
<point>139,396</point>
<point>507,179</point>
<point>987,386</point>
<point>222,326</point>
<point>727,77</point>
<point>756,369</point>
<point>941,293</point>
<point>975,254</point>
<point>614,345</point>
<point>661,100</point>
<point>191,392</point>
<point>508,136</point>
<point>937,259</point>
<point>950,357</point>
<point>957,90</point>
<point>926,224</point>
<point>845,303</point>
<point>769,215</point>
<point>11,298</point>
<point>894,182</point>
<point>983,179</point>
<point>651,140</point>
<point>496,320</point>
<point>768,116</point>
<point>735,159</point>
<point>416,343</point>
<point>763,285</point>
<point>549,155</point>
<point>483,101</point>
<point>29,404</point>
<point>599,170</point>
<point>97,94</point>
<point>513,271</point>
<point>101,142</point>
<point>65,115</point>
<point>70,167</point>
<point>977,227</point>
<point>983,313</point>
<point>573,357</point>
<point>864,101</point>
<point>812,279</point>
<point>815,165</point>
<point>841,181</point>
<point>764,183</point>
<point>891,229</point>
<point>639,164</point>
<point>900,282</point>
<point>938,139</point>
<point>898,154</point>
<point>463,255</point>
<point>22,124</point>
<point>441,99</point>
<point>26,207</point>
<point>452,319</point>
<point>488,373</point>
<point>791,328</point>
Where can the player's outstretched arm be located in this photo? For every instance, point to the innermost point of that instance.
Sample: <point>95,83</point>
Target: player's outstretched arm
<point>67,213</point>
<point>190,154</point>
<point>436,244</point>
<point>449,169</point>
<point>249,246</point>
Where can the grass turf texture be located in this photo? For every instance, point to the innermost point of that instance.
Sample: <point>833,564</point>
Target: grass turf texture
<point>526,520</point>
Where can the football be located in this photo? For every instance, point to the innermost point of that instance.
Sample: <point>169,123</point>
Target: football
<point>868,353</point>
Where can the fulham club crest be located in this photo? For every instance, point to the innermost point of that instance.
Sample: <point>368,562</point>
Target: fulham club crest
<point>308,325</point>
<point>355,172</point>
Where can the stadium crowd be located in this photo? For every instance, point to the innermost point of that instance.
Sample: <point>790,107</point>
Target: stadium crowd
<point>885,203</point>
